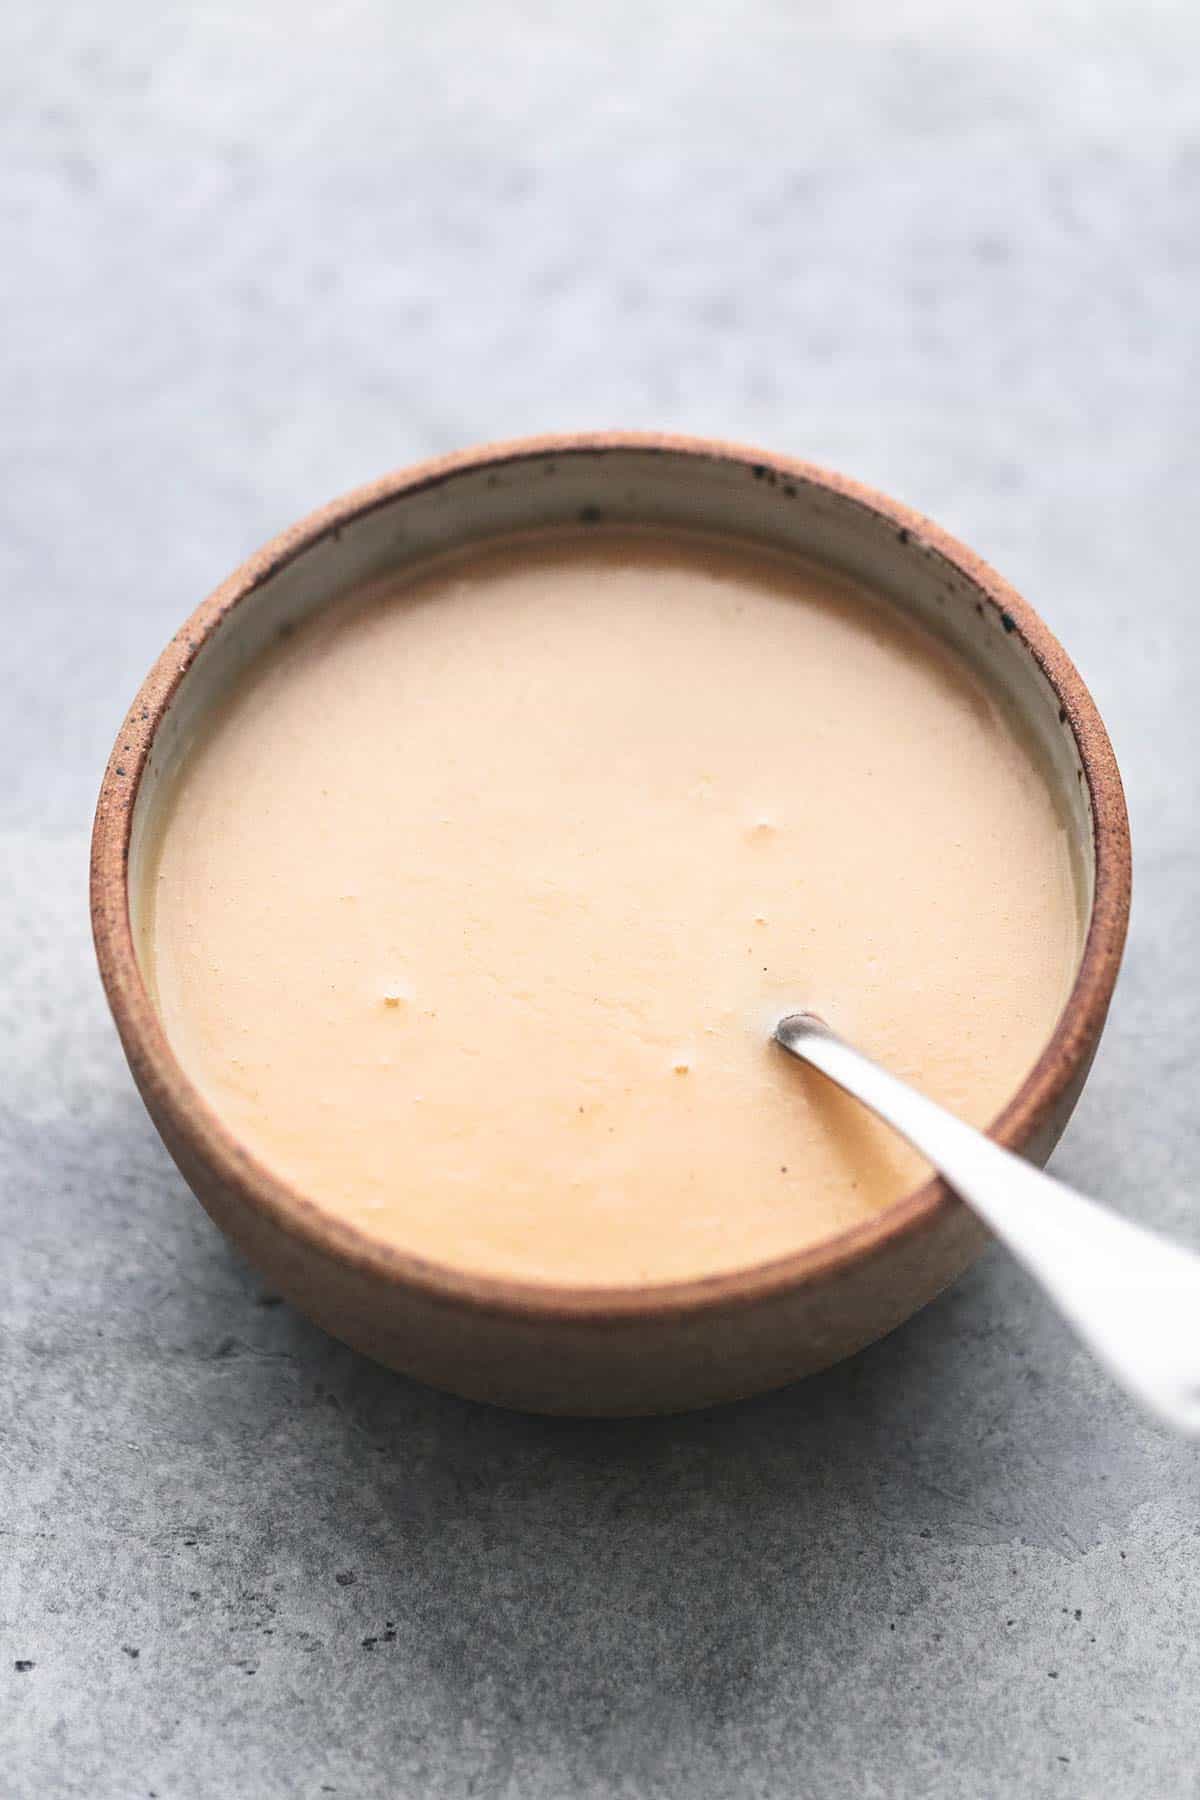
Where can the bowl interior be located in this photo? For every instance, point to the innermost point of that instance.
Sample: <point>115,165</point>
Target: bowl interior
<point>618,484</point>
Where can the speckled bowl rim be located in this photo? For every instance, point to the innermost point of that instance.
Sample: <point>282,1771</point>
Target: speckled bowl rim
<point>198,1127</point>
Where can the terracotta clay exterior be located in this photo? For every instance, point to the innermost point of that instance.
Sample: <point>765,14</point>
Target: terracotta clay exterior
<point>602,1351</point>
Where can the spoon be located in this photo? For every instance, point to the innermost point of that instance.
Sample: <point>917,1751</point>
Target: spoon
<point>1132,1296</point>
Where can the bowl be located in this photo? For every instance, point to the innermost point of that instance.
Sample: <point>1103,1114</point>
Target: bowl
<point>608,1350</point>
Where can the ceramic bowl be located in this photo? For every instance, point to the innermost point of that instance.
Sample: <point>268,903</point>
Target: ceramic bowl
<point>646,1349</point>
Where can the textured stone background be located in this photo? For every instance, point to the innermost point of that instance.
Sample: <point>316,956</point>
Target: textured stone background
<point>251,255</point>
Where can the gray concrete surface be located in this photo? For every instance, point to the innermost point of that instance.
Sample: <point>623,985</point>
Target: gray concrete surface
<point>252,255</point>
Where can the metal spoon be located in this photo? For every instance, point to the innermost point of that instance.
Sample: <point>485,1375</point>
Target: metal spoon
<point>1131,1295</point>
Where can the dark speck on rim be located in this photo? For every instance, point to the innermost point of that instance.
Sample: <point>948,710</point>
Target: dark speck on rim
<point>590,515</point>
<point>1008,622</point>
<point>904,534</point>
<point>1062,715</point>
<point>760,473</point>
<point>789,488</point>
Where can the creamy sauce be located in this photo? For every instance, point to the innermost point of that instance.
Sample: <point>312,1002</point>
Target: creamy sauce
<point>477,900</point>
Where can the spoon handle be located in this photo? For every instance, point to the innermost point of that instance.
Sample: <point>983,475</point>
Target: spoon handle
<point>1130,1294</point>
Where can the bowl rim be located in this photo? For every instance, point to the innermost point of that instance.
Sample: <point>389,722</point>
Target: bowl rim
<point>196,1126</point>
